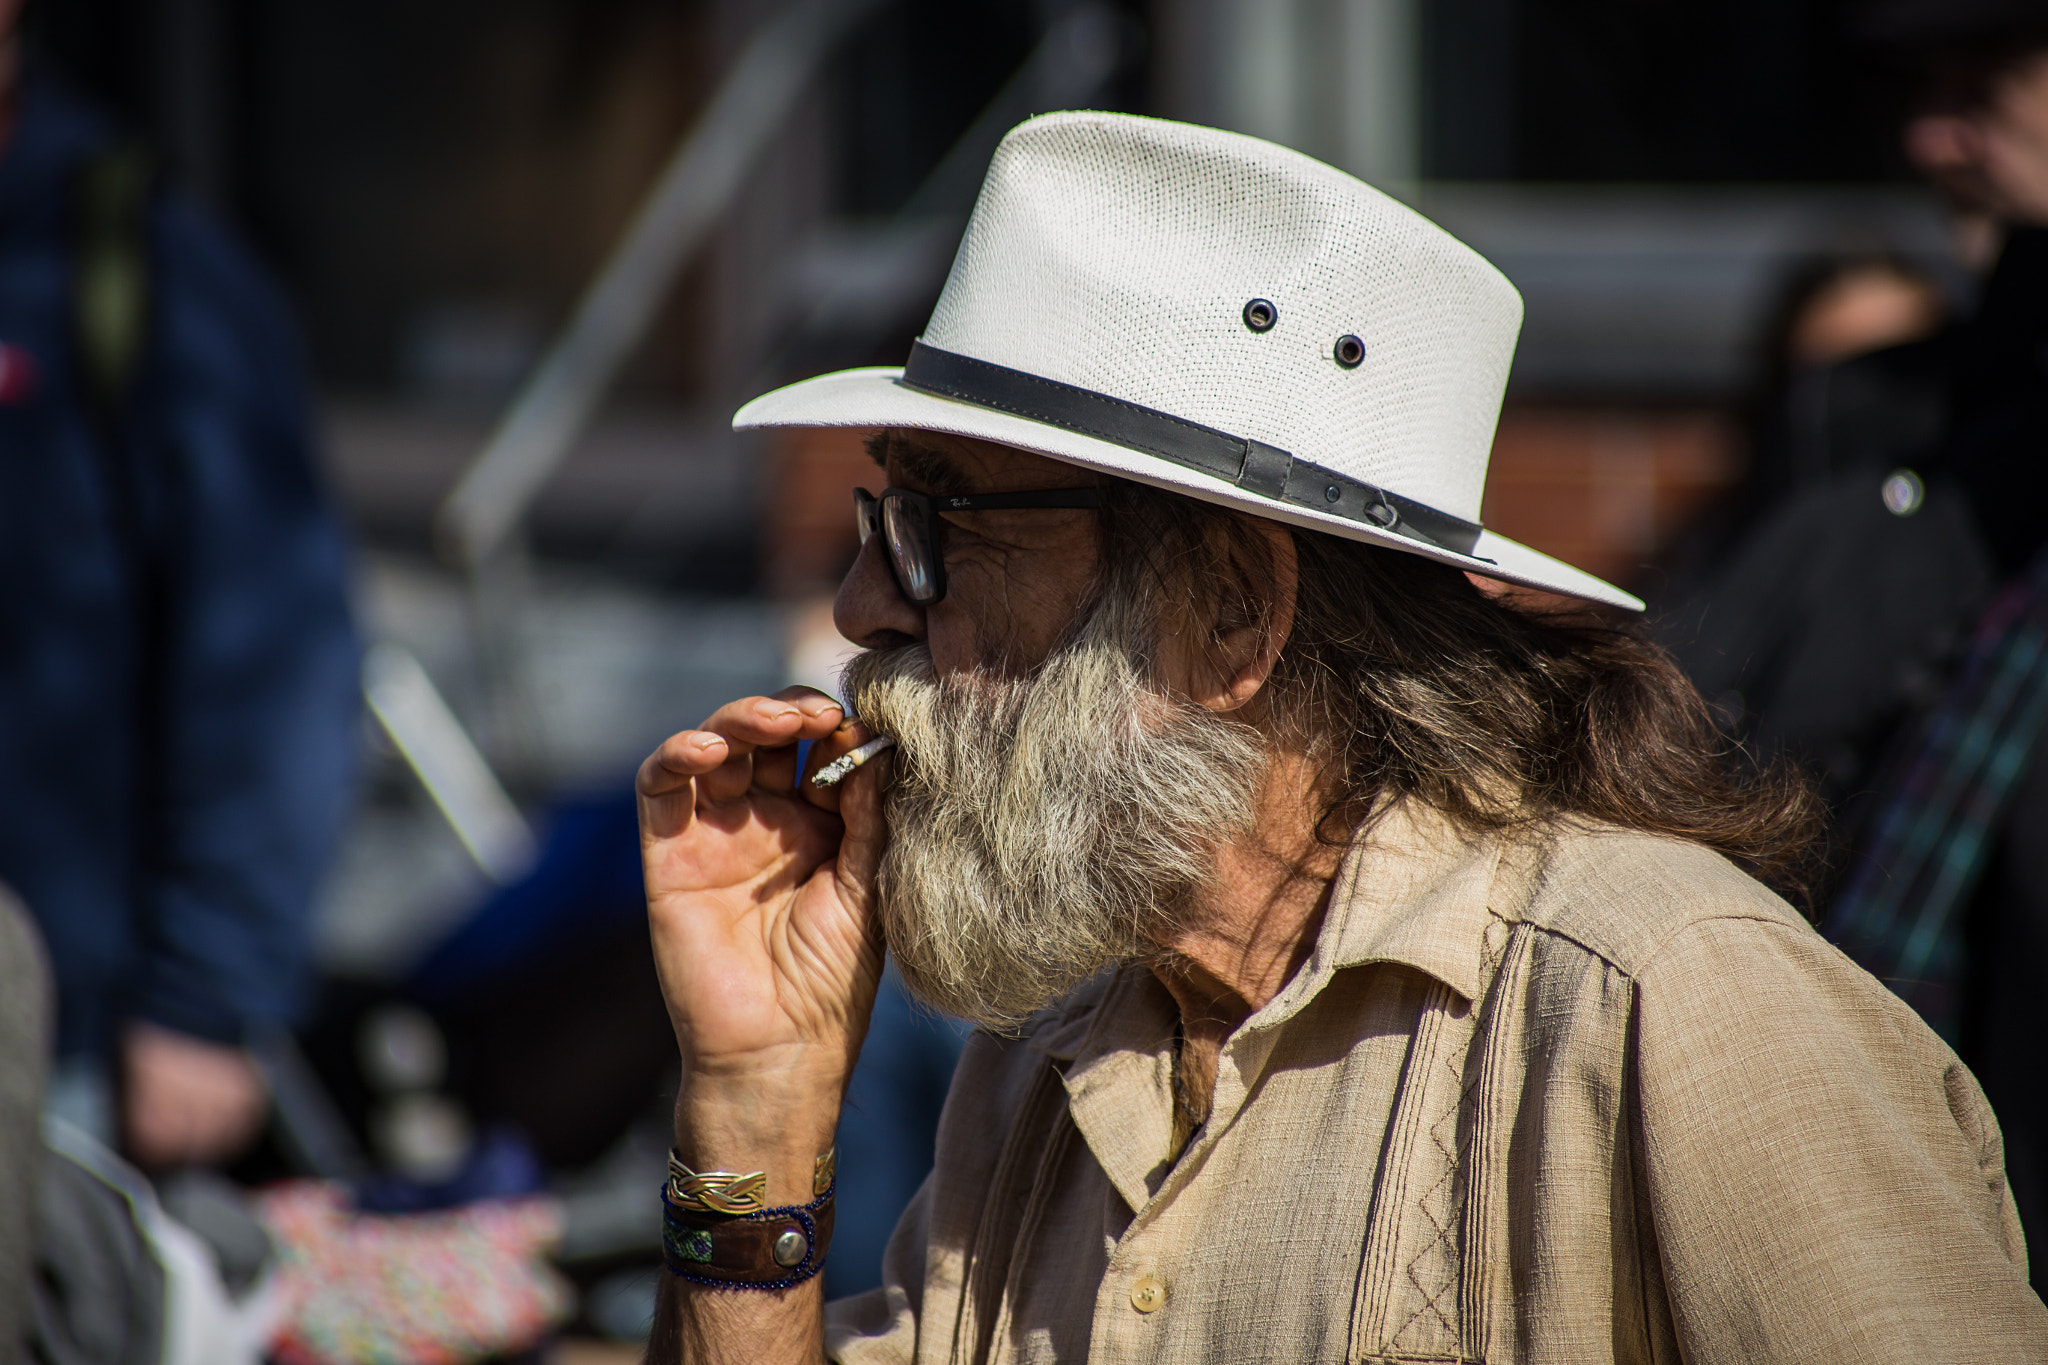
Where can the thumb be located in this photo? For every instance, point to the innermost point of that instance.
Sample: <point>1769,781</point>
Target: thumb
<point>867,833</point>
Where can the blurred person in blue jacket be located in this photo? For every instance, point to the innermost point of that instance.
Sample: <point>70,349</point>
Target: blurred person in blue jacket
<point>177,667</point>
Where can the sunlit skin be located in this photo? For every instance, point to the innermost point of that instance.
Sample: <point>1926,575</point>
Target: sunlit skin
<point>761,898</point>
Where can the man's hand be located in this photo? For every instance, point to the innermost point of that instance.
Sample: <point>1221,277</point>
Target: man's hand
<point>760,897</point>
<point>185,1101</point>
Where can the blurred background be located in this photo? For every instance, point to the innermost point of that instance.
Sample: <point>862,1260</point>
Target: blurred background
<point>538,251</point>
<point>436,185</point>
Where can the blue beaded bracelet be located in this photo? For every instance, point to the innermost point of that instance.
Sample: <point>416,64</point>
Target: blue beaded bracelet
<point>774,1249</point>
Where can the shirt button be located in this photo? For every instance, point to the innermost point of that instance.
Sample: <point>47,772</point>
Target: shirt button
<point>1148,1295</point>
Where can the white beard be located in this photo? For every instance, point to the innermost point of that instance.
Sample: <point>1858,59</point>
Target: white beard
<point>1046,827</point>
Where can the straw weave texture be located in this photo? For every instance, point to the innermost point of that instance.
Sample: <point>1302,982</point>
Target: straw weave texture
<point>1138,242</point>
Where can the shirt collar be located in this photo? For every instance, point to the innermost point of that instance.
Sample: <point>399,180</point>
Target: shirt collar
<point>1416,890</point>
<point>1413,889</point>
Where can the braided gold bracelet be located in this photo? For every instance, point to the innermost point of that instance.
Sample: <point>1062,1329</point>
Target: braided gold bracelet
<point>733,1194</point>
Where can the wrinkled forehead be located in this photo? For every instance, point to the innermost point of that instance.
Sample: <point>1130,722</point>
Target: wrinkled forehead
<point>936,462</point>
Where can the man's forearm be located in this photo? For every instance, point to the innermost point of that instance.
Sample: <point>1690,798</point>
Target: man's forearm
<point>760,903</point>
<point>705,1326</point>
<point>779,1124</point>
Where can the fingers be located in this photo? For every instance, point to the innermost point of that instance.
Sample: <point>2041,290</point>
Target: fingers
<point>769,722</point>
<point>762,733</point>
<point>717,761</point>
<point>666,781</point>
<point>859,802</point>
<point>849,735</point>
<point>682,756</point>
<point>775,767</point>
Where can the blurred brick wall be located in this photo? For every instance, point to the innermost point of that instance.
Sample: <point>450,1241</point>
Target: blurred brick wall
<point>1604,488</point>
<point>1607,488</point>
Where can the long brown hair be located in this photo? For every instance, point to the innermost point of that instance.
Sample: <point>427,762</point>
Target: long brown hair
<point>1413,682</point>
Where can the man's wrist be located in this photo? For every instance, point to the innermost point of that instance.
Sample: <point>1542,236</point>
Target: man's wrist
<point>733,1126</point>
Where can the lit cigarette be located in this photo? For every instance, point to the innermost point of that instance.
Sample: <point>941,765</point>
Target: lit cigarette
<point>837,770</point>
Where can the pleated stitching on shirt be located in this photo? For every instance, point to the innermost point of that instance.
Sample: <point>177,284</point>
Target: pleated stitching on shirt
<point>1380,1268</point>
<point>1440,1202</point>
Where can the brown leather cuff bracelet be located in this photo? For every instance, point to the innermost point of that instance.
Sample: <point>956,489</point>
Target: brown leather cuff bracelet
<point>772,1249</point>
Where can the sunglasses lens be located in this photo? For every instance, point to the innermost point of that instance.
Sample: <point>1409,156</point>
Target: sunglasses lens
<point>909,537</point>
<point>866,510</point>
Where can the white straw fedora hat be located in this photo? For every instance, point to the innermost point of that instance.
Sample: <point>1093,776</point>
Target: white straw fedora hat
<point>1222,317</point>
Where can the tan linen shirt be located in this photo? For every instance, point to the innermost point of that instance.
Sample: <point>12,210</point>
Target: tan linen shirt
<point>1590,1096</point>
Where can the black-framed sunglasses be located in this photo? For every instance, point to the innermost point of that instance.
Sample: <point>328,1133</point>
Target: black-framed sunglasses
<point>908,521</point>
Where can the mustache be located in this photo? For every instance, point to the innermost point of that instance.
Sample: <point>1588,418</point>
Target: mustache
<point>1042,826</point>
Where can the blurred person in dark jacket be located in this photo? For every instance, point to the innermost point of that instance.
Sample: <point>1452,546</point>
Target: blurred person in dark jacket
<point>178,691</point>
<point>1847,377</point>
<point>1819,409</point>
<point>1884,621</point>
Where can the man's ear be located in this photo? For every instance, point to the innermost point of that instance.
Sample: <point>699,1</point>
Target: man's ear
<point>1251,619</point>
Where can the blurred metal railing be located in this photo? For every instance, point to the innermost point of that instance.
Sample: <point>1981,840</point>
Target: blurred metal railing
<point>447,762</point>
<point>479,524</point>
<point>692,193</point>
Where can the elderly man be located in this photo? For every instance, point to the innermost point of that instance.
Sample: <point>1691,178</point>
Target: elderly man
<point>1366,962</point>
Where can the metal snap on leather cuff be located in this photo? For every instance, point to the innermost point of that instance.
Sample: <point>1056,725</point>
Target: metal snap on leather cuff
<point>790,1249</point>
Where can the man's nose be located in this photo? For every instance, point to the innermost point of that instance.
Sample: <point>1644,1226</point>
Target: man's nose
<point>870,610</point>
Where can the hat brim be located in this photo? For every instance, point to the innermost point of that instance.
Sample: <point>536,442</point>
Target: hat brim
<point>877,397</point>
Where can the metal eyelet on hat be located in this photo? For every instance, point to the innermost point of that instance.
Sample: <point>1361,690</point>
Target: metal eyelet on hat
<point>1349,351</point>
<point>1260,315</point>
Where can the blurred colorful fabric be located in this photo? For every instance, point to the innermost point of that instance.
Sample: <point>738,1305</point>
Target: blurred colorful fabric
<point>419,1289</point>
